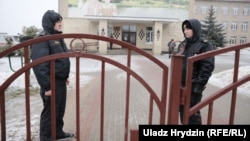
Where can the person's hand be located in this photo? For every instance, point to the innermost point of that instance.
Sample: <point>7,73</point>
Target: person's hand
<point>48,93</point>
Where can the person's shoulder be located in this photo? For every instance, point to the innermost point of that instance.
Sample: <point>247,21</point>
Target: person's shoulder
<point>205,42</point>
<point>42,33</point>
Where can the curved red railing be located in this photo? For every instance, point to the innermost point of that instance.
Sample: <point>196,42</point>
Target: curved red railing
<point>184,93</point>
<point>177,94</point>
<point>159,101</point>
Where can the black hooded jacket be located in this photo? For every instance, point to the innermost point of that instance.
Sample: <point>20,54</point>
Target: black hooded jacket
<point>43,49</point>
<point>202,69</point>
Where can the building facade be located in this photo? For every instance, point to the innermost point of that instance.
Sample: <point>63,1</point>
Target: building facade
<point>234,15</point>
<point>150,28</point>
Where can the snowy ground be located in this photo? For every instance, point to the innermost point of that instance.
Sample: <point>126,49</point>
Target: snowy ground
<point>15,112</point>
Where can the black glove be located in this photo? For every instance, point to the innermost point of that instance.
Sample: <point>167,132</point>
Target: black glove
<point>197,89</point>
<point>196,94</point>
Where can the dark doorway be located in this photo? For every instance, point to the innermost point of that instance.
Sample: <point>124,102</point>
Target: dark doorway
<point>129,34</point>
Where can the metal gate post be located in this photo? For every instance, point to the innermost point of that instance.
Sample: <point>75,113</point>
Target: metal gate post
<point>175,89</point>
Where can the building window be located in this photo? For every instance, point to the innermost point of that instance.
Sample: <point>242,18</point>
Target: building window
<point>234,26</point>
<point>215,10</point>
<point>224,10</point>
<point>235,11</point>
<point>232,40</point>
<point>195,9</point>
<point>204,10</point>
<point>243,40</point>
<point>244,26</point>
<point>224,25</point>
<point>149,34</point>
<point>245,11</point>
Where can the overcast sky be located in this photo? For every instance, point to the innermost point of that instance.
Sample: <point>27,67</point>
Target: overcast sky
<point>15,14</point>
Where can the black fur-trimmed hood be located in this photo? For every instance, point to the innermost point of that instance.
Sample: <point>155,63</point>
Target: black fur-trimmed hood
<point>49,19</point>
<point>195,26</point>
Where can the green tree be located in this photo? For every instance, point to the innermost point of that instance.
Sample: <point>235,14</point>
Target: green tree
<point>30,31</point>
<point>9,41</point>
<point>213,31</point>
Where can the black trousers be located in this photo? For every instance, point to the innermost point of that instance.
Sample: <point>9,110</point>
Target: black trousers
<point>194,119</point>
<point>169,52</point>
<point>111,45</point>
<point>45,119</point>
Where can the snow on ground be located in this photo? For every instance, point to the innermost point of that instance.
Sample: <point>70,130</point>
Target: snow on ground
<point>224,78</point>
<point>15,98</point>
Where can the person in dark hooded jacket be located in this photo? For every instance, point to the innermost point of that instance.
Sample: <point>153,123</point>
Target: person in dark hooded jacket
<point>51,23</point>
<point>202,69</point>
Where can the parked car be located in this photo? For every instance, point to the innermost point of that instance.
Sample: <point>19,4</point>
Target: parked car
<point>14,39</point>
<point>2,39</point>
<point>7,41</point>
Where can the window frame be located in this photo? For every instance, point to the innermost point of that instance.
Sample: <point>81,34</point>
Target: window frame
<point>234,26</point>
<point>149,35</point>
<point>244,26</point>
<point>243,40</point>
<point>235,11</point>
<point>232,40</point>
<point>224,10</point>
<point>203,10</point>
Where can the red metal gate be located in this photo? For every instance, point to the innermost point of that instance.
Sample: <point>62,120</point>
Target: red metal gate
<point>156,107</point>
<point>182,94</point>
<point>157,100</point>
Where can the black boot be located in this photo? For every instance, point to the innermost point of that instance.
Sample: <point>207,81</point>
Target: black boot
<point>65,136</point>
<point>195,119</point>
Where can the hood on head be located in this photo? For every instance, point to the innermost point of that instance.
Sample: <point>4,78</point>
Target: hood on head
<point>195,25</point>
<point>49,20</point>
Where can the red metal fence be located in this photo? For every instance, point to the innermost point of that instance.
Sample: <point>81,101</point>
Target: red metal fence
<point>156,100</point>
<point>182,94</point>
<point>168,114</point>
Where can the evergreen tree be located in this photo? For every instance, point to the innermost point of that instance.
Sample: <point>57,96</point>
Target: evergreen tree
<point>213,31</point>
<point>31,31</point>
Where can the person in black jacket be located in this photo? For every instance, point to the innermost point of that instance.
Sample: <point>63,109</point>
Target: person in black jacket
<point>51,23</point>
<point>202,69</point>
<point>171,46</point>
<point>111,43</point>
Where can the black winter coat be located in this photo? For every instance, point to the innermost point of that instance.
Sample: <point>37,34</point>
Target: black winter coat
<point>202,69</point>
<point>42,71</point>
<point>43,49</point>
